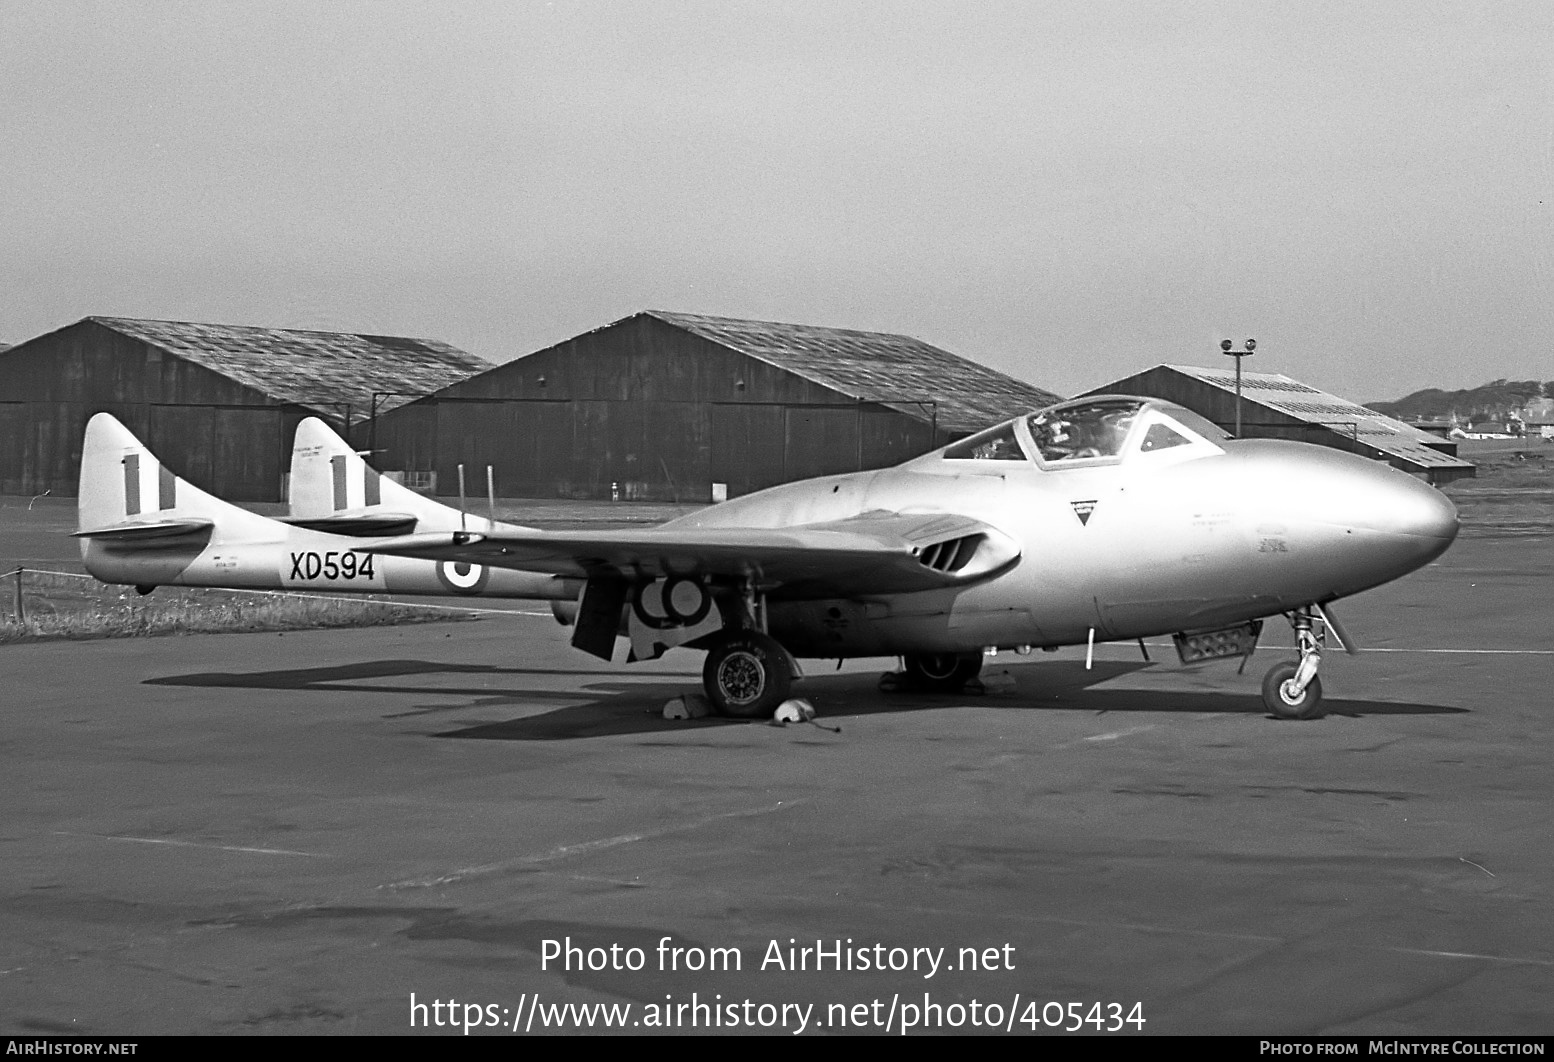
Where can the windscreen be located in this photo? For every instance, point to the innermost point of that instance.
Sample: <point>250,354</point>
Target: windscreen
<point>995,444</point>
<point>1083,430</point>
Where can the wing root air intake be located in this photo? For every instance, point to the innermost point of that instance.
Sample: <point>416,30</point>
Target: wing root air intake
<point>951,555</point>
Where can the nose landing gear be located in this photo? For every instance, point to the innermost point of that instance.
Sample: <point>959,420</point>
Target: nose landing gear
<point>1293,690</point>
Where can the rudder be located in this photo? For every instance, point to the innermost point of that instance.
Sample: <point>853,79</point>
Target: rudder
<point>124,486</point>
<point>331,488</point>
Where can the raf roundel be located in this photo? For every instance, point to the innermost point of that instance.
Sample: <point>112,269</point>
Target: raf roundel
<point>462,577</point>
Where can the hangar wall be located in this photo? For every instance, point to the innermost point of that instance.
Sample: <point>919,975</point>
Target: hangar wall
<point>1278,407</point>
<point>228,438</point>
<point>219,403</point>
<point>641,410</point>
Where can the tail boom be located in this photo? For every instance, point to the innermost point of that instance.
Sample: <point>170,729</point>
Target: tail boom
<point>141,525</point>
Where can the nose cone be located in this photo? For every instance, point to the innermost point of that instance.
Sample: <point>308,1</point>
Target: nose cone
<point>1405,506</point>
<point>1398,522</point>
<point>1363,495</point>
<point>1366,523</point>
<point>1412,522</point>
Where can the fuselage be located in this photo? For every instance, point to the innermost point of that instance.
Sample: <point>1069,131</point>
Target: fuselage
<point>1135,543</point>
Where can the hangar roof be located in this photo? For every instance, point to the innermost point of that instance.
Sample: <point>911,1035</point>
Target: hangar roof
<point>1407,445</point>
<point>892,370</point>
<point>317,369</point>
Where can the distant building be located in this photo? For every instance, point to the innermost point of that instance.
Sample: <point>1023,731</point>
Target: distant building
<point>677,406</point>
<point>1539,409</point>
<point>1278,407</point>
<point>217,402</point>
<point>1493,426</point>
<point>1441,429</point>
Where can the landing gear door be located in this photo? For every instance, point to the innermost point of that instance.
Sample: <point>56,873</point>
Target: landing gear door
<point>669,612</point>
<point>599,616</point>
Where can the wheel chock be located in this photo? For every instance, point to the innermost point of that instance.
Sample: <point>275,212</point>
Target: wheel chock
<point>688,706</point>
<point>893,682</point>
<point>794,710</point>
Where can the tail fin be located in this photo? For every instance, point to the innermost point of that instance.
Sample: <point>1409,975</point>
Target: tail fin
<point>333,489</point>
<point>126,495</point>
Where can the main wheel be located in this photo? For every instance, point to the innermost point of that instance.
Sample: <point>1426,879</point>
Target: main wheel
<point>942,672</point>
<point>1276,694</point>
<point>746,675</point>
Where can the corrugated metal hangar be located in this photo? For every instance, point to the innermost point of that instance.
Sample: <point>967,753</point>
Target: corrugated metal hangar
<point>674,406</point>
<point>218,402</point>
<point>1277,407</point>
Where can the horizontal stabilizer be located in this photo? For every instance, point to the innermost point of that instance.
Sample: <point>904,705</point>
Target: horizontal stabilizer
<point>148,530</point>
<point>362,526</point>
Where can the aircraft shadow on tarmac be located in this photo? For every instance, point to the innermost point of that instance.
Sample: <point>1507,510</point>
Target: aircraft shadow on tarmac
<point>330,677</point>
<point>612,707</point>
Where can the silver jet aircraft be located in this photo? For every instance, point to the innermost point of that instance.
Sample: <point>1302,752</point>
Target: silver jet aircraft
<point>1099,519</point>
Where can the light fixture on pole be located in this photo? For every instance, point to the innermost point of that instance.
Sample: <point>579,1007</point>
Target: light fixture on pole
<point>1251,345</point>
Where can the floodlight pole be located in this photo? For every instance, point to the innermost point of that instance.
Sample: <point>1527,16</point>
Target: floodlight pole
<point>344,410</point>
<point>1251,345</point>
<point>372,430</point>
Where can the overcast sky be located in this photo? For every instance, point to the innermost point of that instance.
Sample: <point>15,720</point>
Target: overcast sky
<point>1067,191</point>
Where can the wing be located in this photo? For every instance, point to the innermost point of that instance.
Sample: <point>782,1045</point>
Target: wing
<point>875,552</point>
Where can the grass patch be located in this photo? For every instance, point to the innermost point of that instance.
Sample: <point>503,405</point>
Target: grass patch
<point>58,605</point>
<point>1513,492</point>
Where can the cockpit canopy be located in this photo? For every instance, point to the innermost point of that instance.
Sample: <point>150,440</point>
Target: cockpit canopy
<point>1085,431</point>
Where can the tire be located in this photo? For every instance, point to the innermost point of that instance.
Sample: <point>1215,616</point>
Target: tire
<point>746,675</point>
<point>1279,703</point>
<point>942,672</point>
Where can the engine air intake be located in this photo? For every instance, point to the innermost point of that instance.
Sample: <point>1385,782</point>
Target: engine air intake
<point>952,554</point>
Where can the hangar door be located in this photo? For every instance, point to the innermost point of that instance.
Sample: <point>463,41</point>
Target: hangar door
<point>820,440</point>
<point>760,445</point>
<point>747,446</point>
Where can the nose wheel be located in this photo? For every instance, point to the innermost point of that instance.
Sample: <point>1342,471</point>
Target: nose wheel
<point>1284,699</point>
<point>1293,690</point>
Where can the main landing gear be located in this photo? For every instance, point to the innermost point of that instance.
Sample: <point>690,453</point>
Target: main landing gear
<point>747,673</point>
<point>942,672</point>
<point>934,673</point>
<point>1293,690</point>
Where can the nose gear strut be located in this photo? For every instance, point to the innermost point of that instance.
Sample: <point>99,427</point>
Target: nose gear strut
<point>1293,690</point>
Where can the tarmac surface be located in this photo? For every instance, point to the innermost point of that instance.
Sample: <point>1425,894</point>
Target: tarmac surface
<point>311,832</point>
